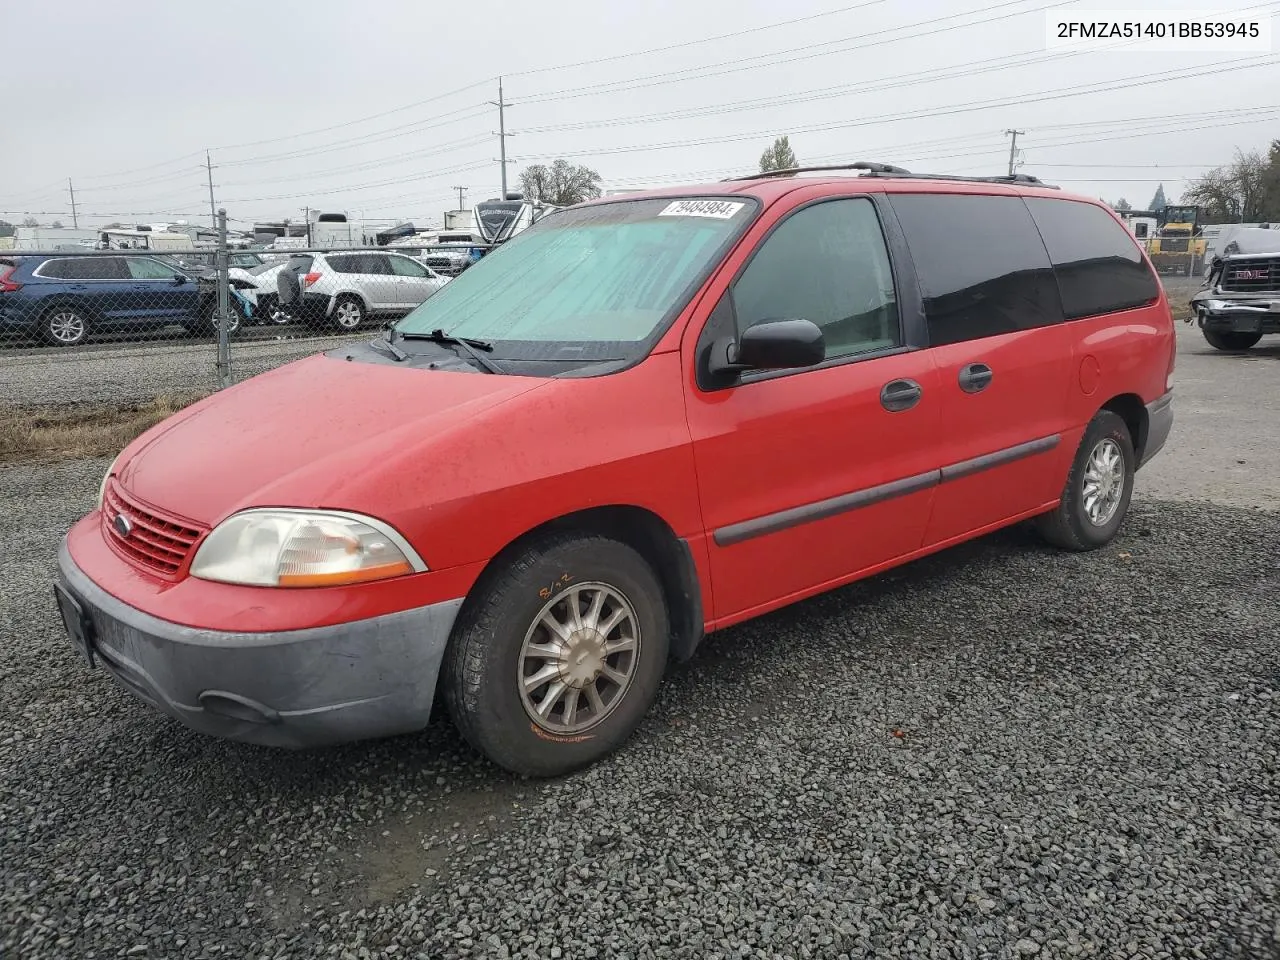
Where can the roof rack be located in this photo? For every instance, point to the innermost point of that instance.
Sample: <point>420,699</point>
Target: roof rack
<point>860,165</point>
<point>889,170</point>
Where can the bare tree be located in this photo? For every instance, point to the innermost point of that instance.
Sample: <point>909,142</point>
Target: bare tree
<point>562,183</point>
<point>1122,205</point>
<point>57,224</point>
<point>1237,191</point>
<point>780,156</point>
<point>31,222</point>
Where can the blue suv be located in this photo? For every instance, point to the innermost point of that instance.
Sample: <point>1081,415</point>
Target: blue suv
<point>61,299</point>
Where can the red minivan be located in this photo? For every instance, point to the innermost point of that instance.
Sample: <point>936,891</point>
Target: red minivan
<point>641,420</point>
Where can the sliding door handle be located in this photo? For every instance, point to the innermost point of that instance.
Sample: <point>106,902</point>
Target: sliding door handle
<point>975,377</point>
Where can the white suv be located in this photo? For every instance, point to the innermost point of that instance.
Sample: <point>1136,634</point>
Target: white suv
<point>342,289</point>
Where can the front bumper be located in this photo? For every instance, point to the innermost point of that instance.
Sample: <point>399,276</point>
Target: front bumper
<point>299,688</point>
<point>1159,424</point>
<point>1233,313</point>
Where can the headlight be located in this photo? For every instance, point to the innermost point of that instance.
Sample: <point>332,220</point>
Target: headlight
<point>303,548</point>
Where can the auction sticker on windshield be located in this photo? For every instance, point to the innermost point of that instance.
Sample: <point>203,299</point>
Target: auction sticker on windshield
<point>716,209</point>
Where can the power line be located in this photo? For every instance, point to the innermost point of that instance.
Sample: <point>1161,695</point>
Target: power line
<point>804,52</point>
<point>692,43</point>
<point>954,109</point>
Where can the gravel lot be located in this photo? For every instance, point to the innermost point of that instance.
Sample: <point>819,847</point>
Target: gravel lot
<point>1001,751</point>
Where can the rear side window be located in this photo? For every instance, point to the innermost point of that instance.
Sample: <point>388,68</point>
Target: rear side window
<point>1099,266</point>
<point>85,268</point>
<point>982,266</point>
<point>364,263</point>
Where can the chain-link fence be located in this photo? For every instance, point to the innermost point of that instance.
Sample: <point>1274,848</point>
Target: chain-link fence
<point>132,323</point>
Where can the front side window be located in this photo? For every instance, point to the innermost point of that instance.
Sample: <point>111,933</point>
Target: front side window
<point>982,266</point>
<point>1099,266</point>
<point>594,282</point>
<point>404,267</point>
<point>142,268</point>
<point>826,263</point>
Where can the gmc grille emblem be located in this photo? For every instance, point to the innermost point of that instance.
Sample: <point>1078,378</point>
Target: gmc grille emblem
<point>1251,274</point>
<point>122,525</point>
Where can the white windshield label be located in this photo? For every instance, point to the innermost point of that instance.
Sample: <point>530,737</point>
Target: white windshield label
<point>716,209</point>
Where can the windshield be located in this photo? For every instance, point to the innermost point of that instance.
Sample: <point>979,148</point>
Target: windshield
<point>594,281</point>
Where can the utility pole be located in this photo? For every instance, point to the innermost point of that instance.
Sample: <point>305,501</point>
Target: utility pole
<point>306,212</point>
<point>1013,147</point>
<point>213,208</point>
<point>502,105</point>
<point>460,200</point>
<point>75,222</point>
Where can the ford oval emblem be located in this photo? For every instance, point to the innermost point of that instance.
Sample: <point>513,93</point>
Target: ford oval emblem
<point>122,524</point>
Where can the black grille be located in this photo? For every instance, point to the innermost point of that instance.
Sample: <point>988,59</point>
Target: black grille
<point>1173,244</point>
<point>1251,276</point>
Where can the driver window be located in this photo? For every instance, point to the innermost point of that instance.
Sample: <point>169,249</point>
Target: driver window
<point>404,267</point>
<point>826,263</point>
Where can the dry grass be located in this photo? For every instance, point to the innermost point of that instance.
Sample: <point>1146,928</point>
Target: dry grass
<point>84,430</point>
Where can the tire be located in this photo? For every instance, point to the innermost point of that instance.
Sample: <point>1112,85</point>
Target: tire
<point>64,326</point>
<point>209,317</point>
<point>1073,525</point>
<point>348,312</point>
<point>1228,340</point>
<point>486,658</point>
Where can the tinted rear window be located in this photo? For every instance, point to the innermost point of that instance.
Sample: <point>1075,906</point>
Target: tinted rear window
<point>982,267</point>
<point>1099,266</point>
<point>85,268</point>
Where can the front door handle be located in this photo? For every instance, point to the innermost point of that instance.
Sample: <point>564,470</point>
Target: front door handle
<point>899,395</point>
<point>975,377</point>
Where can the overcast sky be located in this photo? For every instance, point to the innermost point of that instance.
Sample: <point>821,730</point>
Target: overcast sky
<point>379,109</point>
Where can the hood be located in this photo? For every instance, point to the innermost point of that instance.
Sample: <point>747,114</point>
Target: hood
<point>298,435</point>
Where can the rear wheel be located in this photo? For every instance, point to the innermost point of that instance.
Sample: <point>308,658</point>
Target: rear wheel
<point>65,326</point>
<point>348,312</point>
<point>1099,486</point>
<point>557,658</point>
<point>1228,340</point>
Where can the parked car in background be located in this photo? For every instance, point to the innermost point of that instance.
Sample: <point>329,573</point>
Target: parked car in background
<point>638,421</point>
<point>62,300</point>
<point>342,290</point>
<point>1240,301</point>
<point>446,253</point>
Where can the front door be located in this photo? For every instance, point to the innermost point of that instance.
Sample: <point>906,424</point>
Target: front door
<point>809,476</point>
<point>413,282</point>
<point>1004,357</point>
<point>160,292</point>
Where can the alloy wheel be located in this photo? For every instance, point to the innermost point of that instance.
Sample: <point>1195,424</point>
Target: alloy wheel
<point>579,657</point>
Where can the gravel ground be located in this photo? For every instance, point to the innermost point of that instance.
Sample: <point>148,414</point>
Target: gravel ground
<point>1001,751</point>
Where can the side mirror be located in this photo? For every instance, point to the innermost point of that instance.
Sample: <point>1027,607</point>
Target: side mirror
<point>771,345</point>
<point>179,279</point>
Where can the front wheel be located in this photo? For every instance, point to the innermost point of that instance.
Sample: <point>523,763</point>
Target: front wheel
<point>209,319</point>
<point>557,658</point>
<point>1099,486</point>
<point>1230,340</point>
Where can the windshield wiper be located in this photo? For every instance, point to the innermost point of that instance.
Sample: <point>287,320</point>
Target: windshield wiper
<point>396,352</point>
<point>470,345</point>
